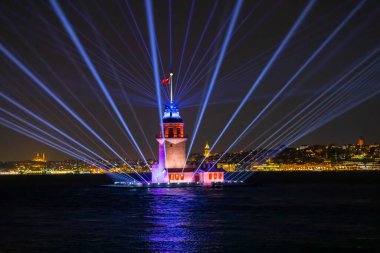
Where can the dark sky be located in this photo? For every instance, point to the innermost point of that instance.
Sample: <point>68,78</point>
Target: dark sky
<point>115,36</point>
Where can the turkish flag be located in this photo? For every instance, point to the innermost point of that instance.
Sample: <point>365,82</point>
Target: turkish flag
<point>165,81</point>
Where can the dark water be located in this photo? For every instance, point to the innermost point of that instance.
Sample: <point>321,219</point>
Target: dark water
<point>278,212</point>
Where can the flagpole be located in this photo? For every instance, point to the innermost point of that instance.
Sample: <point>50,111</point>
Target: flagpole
<point>171,87</point>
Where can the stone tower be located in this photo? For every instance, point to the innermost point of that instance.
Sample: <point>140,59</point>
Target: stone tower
<point>172,144</point>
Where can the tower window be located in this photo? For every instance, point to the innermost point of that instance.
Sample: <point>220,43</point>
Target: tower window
<point>171,133</point>
<point>178,132</point>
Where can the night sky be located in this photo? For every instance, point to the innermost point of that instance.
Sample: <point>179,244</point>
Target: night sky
<point>115,36</point>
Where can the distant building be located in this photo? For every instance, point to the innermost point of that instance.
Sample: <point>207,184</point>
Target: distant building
<point>39,158</point>
<point>206,152</point>
<point>360,142</point>
<point>230,167</point>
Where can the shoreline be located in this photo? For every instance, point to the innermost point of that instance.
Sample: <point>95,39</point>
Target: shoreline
<point>260,171</point>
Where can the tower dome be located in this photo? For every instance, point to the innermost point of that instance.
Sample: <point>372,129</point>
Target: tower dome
<point>171,114</point>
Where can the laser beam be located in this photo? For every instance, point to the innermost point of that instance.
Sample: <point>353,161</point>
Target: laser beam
<point>298,72</point>
<point>58,100</point>
<point>226,41</point>
<point>65,22</point>
<point>32,135</point>
<point>283,44</point>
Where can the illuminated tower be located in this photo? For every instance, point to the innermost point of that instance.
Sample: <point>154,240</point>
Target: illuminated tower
<point>171,166</point>
<point>360,142</point>
<point>206,152</point>
<point>173,143</point>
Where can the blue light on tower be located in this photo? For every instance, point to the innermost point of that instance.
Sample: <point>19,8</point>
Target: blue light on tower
<point>171,113</point>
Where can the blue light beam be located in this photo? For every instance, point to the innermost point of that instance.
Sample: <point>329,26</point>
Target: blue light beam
<point>298,72</point>
<point>226,41</point>
<point>327,91</point>
<point>77,151</point>
<point>65,22</point>
<point>153,48</point>
<point>34,136</point>
<point>315,122</point>
<point>274,57</point>
<point>59,101</point>
<point>332,96</point>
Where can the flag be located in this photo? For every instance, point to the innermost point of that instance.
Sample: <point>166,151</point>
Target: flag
<point>165,81</point>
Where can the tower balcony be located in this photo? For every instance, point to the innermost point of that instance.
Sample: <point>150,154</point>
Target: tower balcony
<point>173,135</point>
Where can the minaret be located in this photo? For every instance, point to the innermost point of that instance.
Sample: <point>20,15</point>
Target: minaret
<point>171,143</point>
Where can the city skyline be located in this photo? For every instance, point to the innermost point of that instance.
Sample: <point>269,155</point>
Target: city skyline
<point>41,156</point>
<point>352,157</point>
<point>47,154</point>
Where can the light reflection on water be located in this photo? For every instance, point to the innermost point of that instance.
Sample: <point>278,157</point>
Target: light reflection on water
<point>175,225</point>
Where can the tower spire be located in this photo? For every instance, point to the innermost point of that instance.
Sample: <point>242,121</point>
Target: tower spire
<point>171,86</point>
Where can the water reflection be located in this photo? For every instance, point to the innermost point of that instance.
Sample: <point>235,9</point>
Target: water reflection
<point>176,225</point>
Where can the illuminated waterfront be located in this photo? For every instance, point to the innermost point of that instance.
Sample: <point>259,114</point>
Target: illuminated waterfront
<point>304,158</point>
